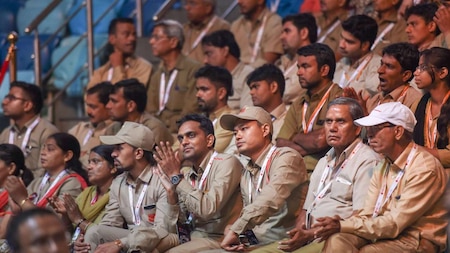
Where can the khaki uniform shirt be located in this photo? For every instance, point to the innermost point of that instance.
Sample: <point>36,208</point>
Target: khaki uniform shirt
<point>333,37</point>
<point>84,129</point>
<point>158,128</point>
<point>192,32</point>
<point>272,212</point>
<point>395,35</point>
<point>293,120</point>
<point>182,99</point>
<point>241,92</point>
<point>278,115</point>
<point>70,186</point>
<point>410,98</point>
<point>441,40</point>
<point>366,80</point>
<point>415,208</point>
<point>212,206</point>
<point>37,137</point>
<point>348,190</point>
<point>136,67</point>
<point>223,137</point>
<point>245,34</point>
<point>156,222</point>
<point>293,89</point>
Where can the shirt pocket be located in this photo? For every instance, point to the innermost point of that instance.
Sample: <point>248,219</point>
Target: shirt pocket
<point>341,190</point>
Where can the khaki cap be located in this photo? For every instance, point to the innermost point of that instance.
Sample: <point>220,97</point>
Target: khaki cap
<point>228,121</point>
<point>134,134</point>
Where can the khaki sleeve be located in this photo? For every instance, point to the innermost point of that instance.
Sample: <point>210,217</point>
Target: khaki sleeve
<point>95,78</point>
<point>444,156</point>
<point>142,72</point>
<point>223,139</point>
<point>221,187</point>
<point>112,216</point>
<point>287,172</point>
<point>289,127</point>
<point>272,42</point>
<point>421,192</point>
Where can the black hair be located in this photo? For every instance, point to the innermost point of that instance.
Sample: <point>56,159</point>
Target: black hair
<point>324,56</point>
<point>406,54</point>
<point>67,142</point>
<point>269,73</point>
<point>219,76</point>
<point>33,92</point>
<point>363,27</point>
<point>221,39</point>
<point>425,11</point>
<point>133,90</point>
<point>105,152</point>
<point>12,231</point>
<point>304,20</point>
<point>10,153</point>
<point>113,24</point>
<point>205,124</point>
<point>103,90</point>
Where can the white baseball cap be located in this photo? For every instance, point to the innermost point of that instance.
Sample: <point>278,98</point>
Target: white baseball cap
<point>393,112</point>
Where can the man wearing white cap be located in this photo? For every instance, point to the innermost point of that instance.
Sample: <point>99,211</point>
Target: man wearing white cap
<point>273,184</point>
<point>137,198</point>
<point>404,206</point>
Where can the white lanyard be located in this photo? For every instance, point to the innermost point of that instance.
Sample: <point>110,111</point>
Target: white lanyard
<point>265,166</point>
<point>380,203</point>
<point>111,71</point>
<point>307,127</point>
<point>203,33</point>
<point>335,24</point>
<point>163,90</point>
<point>214,122</point>
<point>258,39</point>
<point>344,82</point>
<point>322,188</point>
<point>88,135</point>
<point>206,172</point>
<point>288,70</point>
<point>44,182</point>
<point>274,5</point>
<point>26,138</point>
<point>135,209</point>
<point>382,34</point>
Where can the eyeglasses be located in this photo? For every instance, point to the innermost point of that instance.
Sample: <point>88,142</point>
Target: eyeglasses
<point>373,130</point>
<point>11,97</point>
<point>158,37</point>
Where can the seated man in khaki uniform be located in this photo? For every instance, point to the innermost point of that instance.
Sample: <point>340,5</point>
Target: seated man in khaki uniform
<point>88,133</point>
<point>28,130</point>
<point>273,184</point>
<point>339,182</point>
<point>122,63</point>
<point>137,199</point>
<point>201,21</point>
<point>127,103</point>
<point>208,191</point>
<point>404,209</point>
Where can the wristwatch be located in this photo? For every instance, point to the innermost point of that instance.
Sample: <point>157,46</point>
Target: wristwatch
<point>176,179</point>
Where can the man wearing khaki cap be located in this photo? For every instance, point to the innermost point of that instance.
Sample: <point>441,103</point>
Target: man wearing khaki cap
<point>404,209</point>
<point>273,184</point>
<point>137,198</point>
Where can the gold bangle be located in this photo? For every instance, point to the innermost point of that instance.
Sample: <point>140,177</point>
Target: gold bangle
<point>23,202</point>
<point>118,243</point>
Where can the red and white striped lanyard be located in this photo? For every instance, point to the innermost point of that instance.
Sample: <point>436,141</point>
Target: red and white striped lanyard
<point>382,200</point>
<point>428,124</point>
<point>202,182</point>
<point>135,209</point>
<point>44,182</point>
<point>344,82</point>
<point>307,127</point>
<point>264,169</point>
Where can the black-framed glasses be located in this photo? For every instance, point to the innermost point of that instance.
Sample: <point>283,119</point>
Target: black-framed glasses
<point>11,97</point>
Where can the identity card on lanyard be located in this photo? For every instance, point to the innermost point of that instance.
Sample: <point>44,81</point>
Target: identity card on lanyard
<point>308,126</point>
<point>135,209</point>
<point>206,172</point>
<point>322,188</point>
<point>264,169</point>
<point>44,182</point>
<point>26,138</point>
<point>165,90</point>
<point>382,199</point>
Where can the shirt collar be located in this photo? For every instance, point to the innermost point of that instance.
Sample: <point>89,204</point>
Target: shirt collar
<point>254,167</point>
<point>144,177</point>
<point>400,162</point>
<point>278,112</point>
<point>15,128</point>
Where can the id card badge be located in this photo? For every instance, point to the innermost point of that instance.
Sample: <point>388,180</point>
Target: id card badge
<point>308,220</point>
<point>248,238</point>
<point>184,232</point>
<point>75,235</point>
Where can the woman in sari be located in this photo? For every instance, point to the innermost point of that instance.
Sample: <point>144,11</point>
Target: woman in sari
<point>433,111</point>
<point>63,174</point>
<point>89,207</point>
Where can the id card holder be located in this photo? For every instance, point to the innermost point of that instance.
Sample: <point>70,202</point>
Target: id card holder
<point>184,232</point>
<point>248,238</point>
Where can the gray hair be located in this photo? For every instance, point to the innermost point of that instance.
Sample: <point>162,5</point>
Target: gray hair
<point>356,110</point>
<point>173,29</point>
